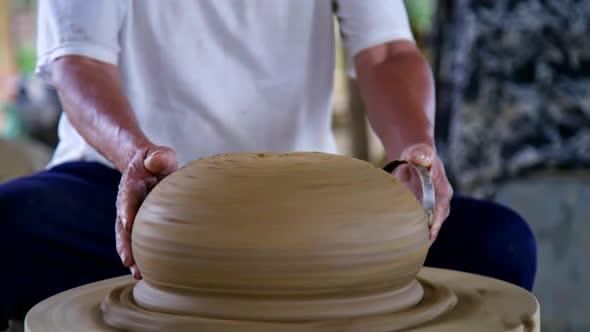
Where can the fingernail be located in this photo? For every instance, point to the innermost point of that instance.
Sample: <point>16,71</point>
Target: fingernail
<point>420,155</point>
<point>124,221</point>
<point>123,257</point>
<point>155,153</point>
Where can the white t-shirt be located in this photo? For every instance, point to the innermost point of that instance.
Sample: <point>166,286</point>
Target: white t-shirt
<point>213,76</point>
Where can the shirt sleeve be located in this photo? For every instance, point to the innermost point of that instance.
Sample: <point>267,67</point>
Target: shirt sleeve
<point>78,27</point>
<point>367,23</point>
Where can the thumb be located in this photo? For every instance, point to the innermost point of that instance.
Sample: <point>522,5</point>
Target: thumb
<point>420,154</point>
<point>160,160</point>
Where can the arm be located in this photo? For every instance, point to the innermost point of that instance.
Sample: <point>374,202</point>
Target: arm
<point>93,100</point>
<point>398,90</point>
<point>92,96</point>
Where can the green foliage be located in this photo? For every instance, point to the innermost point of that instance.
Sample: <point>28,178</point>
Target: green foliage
<point>421,13</point>
<point>26,59</point>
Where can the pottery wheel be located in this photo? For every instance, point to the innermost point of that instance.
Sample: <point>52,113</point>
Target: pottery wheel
<point>482,304</point>
<point>286,242</point>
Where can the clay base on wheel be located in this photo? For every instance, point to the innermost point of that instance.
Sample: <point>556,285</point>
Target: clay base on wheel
<point>483,304</point>
<point>273,308</point>
<point>121,311</point>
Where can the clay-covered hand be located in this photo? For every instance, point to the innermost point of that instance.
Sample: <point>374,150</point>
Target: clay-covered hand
<point>145,169</point>
<point>424,155</point>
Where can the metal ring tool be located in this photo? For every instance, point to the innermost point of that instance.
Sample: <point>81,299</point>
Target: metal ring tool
<point>428,194</point>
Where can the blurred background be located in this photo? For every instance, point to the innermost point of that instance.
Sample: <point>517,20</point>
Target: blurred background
<point>513,120</point>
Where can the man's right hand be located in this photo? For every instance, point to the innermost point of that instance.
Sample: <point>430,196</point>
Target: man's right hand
<point>145,169</point>
<point>94,100</point>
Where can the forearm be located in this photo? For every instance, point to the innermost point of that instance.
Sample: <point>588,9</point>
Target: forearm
<point>93,100</point>
<point>398,90</point>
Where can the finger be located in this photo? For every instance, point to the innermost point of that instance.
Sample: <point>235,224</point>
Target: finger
<point>123,241</point>
<point>444,194</point>
<point>420,154</point>
<point>135,272</point>
<point>410,178</point>
<point>122,201</point>
<point>119,237</point>
<point>128,202</point>
<point>161,161</point>
<point>437,221</point>
<point>403,173</point>
<point>119,241</point>
<point>442,211</point>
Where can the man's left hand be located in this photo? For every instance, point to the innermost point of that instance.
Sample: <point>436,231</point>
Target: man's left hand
<point>424,155</point>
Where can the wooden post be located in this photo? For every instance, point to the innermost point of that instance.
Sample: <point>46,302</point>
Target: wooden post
<point>358,122</point>
<point>8,65</point>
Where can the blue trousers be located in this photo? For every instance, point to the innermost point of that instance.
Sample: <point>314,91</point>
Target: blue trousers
<point>57,232</point>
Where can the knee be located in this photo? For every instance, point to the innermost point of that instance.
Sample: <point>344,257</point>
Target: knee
<point>510,245</point>
<point>513,233</point>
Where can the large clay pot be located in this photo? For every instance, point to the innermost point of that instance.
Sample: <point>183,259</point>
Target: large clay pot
<point>279,236</point>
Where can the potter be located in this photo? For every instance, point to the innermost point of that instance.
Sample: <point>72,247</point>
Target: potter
<point>149,86</point>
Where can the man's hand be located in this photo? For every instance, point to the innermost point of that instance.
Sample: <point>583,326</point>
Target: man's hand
<point>424,155</point>
<point>145,169</point>
<point>398,90</point>
<point>93,98</point>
